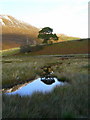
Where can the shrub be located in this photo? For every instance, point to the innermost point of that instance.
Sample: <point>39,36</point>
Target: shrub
<point>25,49</point>
<point>36,48</point>
<point>28,48</point>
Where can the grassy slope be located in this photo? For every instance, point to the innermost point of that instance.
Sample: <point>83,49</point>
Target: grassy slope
<point>69,47</point>
<point>16,36</point>
<point>61,48</point>
<point>63,37</point>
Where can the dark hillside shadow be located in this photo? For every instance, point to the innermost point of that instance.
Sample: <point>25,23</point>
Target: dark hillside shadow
<point>16,40</point>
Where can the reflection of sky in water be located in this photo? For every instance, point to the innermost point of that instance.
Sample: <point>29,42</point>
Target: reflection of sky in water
<point>36,85</point>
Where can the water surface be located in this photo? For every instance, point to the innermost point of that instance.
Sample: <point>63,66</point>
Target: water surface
<point>36,86</point>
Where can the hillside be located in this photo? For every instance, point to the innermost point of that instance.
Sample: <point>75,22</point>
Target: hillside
<point>16,33</point>
<point>68,47</point>
<point>63,37</point>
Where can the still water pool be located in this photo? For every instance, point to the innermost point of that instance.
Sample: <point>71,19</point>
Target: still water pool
<point>36,86</point>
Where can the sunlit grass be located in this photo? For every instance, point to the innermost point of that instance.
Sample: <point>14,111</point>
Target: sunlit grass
<point>11,51</point>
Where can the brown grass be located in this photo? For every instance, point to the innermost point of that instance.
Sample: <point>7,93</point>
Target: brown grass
<point>69,47</point>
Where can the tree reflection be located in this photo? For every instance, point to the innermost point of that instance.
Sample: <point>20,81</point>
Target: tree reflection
<point>48,80</point>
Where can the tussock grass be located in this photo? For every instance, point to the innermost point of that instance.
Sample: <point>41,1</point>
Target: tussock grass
<point>70,101</point>
<point>16,70</point>
<point>63,102</point>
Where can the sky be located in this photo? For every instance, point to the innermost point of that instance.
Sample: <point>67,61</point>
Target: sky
<point>68,17</point>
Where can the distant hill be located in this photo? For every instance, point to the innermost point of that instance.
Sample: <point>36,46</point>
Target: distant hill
<point>16,33</point>
<point>63,37</point>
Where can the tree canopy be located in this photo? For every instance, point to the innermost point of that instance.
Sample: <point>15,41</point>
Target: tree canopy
<point>46,30</point>
<point>46,34</point>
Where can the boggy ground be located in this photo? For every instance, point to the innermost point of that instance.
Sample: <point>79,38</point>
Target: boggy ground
<point>69,101</point>
<point>18,69</point>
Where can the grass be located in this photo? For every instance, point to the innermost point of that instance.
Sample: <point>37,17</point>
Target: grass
<point>67,47</point>
<point>19,69</point>
<point>63,102</point>
<point>62,48</point>
<point>8,52</point>
<point>69,101</point>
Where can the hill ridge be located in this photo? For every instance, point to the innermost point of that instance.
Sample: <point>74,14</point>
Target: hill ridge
<point>16,33</point>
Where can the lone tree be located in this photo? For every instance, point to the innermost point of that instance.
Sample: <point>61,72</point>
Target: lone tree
<point>46,34</point>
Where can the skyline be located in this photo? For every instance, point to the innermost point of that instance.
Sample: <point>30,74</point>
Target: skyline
<point>64,17</point>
